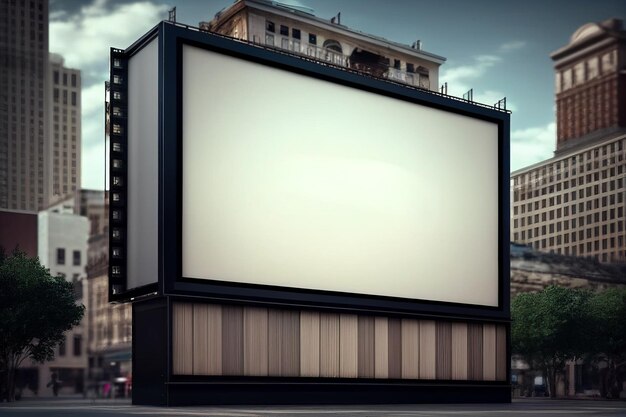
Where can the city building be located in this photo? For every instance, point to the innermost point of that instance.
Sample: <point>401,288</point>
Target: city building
<point>574,203</point>
<point>296,29</point>
<point>24,94</point>
<point>62,248</point>
<point>63,173</point>
<point>109,325</point>
<point>39,112</point>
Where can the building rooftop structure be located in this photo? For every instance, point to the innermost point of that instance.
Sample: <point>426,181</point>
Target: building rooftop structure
<point>296,29</point>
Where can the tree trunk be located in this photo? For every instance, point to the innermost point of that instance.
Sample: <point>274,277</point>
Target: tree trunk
<point>10,382</point>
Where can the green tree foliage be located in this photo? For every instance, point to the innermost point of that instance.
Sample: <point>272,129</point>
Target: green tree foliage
<point>608,309</point>
<point>551,327</point>
<point>35,309</point>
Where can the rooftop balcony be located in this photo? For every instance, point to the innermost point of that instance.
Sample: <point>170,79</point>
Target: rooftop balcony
<point>376,65</point>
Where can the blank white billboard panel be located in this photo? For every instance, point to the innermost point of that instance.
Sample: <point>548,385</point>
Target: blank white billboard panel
<point>143,167</point>
<point>293,181</point>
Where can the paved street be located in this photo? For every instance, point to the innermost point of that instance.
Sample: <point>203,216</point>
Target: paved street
<point>103,408</point>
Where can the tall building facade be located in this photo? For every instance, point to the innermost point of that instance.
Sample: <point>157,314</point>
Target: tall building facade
<point>63,175</point>
<point>23,101</point>
<point>297,30</point>
<point>574,203</point>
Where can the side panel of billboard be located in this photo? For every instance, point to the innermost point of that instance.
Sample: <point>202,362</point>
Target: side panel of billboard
<point>143,179</point>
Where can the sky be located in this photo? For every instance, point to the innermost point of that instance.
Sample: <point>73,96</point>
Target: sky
<point>499,48</point>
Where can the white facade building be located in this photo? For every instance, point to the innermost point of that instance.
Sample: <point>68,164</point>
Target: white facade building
<point>62,247</point>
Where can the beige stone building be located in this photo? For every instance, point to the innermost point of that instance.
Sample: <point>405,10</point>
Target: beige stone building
<point>295,29</point>
<point>63,173</point>
<point>24,94</point>
<point>574,203</point>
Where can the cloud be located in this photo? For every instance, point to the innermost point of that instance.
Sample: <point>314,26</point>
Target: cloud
<point>532,145</point>
<point>511,46</point>
<point>472,71</point>
<point>84,38</point>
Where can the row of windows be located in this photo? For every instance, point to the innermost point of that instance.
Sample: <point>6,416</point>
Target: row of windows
<point>73,78</point>
<point>581,250</point>
<point>588,233</point>
<point>61,257</point>
<point>597,245</point>
<point>586,70</point>
<point>550,172</point>
<point>582,192</point>
<point>284,31</point>
<point>605,215</point>
<point>77,346</point>
<point>604,201</point>
<point>55,96</point>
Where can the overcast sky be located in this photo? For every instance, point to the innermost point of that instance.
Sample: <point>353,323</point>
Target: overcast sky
<point>498,48</point>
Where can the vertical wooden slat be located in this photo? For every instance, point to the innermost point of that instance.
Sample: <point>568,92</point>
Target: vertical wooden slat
<point>410,349</point>
<point>444,350</point>
<point>459,351</point>
<point>274,339</point>
<point>284,343</point>
<point>309,343</point>
<point>232,340</point>
<point>182,349</point>
<point>366,347</point>
<point>395,348</point>
<point>502,360</point>
<point>475,352</point>
<point>348,345</point>
<point>381,347</point>
<point>201,339</point>
<point>214,332</point>
<point>427,347</point>
<point>489,352</point>
<point>290,343</point>
<point>329,345</point>
<point>255,353</point>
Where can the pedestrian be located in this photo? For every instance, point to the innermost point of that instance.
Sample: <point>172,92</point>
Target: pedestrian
<point>54,383</point>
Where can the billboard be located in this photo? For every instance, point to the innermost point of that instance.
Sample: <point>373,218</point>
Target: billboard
<point>255,175</point>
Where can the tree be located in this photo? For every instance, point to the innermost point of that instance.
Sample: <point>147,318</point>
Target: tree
<point>35,309</point>
<point>551,327</point>
<point>608,309</point>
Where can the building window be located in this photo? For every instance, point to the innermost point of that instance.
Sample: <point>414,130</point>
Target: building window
<point>55,95</point>
<point>117,95</point>
<point>62,347</point>
<point>410,67</point>
<point>396,64</point>
<point>73,98</point>
<point>73,80</point>
<point>55,76</point>
<point>269,26</point>
<point>312,38</point>
<point>117,147</point>
<point>64,96</point>
<point>64,78</point>
<point>269,40</point>
<point>284,30</point>
<point>76,258</point>
<point>295,33</point>
<point>60,256</point>
<point>117,63</point>
<point>78,341</point>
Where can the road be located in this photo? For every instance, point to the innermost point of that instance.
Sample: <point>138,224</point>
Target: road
<point>519,408</point>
